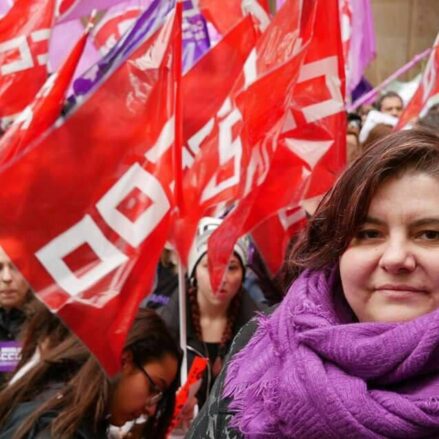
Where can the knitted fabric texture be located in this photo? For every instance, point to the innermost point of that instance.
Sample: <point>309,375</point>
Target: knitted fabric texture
<point>311,371</point>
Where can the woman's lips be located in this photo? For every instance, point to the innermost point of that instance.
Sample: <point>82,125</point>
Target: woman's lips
<point>400,290</point>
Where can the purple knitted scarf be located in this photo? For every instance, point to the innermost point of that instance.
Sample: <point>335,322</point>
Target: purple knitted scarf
<point>311,372</point>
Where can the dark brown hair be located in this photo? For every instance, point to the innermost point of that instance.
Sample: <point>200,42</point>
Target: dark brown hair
<point>344,209</point>
<point>85,391</point>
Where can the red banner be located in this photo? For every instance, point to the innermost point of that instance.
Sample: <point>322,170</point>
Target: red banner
<point>24,45</point>
<point>311,149</point>
<point>427,93</point>
<point>238,145</point>
<point>91,202</point>
<point>273,236</point>
<point>44,110</point>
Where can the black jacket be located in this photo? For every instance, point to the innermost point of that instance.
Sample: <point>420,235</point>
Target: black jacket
<point>196,347</point>
<point>11,322</point>
<point>213,421</point>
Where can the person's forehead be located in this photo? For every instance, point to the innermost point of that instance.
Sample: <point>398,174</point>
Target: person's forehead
<point>391,100</point>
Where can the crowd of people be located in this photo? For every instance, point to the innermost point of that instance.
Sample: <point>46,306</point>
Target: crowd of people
<point>350,349</point>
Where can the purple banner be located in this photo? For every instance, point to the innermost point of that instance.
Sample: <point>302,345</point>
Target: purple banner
<point>145,25</point>
<point>195,35</point>
<point>9,355</point>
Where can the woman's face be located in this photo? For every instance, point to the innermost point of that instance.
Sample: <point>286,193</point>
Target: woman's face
<point>133,392</point>
<point>230,285</point>
<point>390,271</point>
<point>13,286</point>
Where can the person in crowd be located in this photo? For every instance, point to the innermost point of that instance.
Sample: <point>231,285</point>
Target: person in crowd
<point>166,279</point>
<point>390,103</point>
<point>353,349</point>
<point>68,395</point>
<point>213,318</point>
<point>15,295</point>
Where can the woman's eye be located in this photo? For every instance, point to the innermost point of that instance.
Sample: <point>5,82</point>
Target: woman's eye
<point>429,235</point>
<point>368,234</point>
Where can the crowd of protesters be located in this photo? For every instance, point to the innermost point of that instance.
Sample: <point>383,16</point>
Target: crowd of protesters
<point>350,351</point>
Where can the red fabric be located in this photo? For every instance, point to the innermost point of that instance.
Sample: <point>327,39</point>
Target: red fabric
<point>204,89</point>
<point>225,14</point>
<point>311,149</point>
<point>273,236</point>
<point>44,110</point>
<point>24,45</point>
<point>91,201</point>
<point>427,93</point>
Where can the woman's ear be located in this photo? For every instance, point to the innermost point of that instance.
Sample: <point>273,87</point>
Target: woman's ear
<point>127,360</point>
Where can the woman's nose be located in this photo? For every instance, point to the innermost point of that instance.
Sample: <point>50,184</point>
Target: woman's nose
<point>398,257</point>
<point>6,274</point>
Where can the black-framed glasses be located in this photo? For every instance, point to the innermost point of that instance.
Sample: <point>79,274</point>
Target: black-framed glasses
<point>156,392</point>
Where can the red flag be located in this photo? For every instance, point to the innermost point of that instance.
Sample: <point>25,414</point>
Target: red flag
<point>427,93</point>
<point>44,110</point>
<point>91,201</point>
<point>24,45</point>
<point>208,83</point>
<point>225,14</point>
<point>273,236</point>
<point>311,150</point>
<point>243,136</point>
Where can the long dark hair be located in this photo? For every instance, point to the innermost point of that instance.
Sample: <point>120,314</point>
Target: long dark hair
<point>85,389</point>
<point>344,209</point>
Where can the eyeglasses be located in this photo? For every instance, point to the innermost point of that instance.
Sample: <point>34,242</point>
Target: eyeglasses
<point>157,393</point>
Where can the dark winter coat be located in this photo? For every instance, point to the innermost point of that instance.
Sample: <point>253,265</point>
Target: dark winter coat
<point>213,421</point>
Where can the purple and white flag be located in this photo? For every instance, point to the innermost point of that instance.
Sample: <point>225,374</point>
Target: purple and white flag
<point>195,35</point>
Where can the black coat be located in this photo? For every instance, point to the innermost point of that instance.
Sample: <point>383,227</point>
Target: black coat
<point>213,421</point>
<point>11,322</point>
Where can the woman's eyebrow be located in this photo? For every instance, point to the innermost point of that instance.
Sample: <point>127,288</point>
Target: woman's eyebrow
<point>373,220</point>
<point>426,221</point>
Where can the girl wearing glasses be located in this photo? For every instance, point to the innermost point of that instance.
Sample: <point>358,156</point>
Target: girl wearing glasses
<point>67,394</point>
<point>353,349</point>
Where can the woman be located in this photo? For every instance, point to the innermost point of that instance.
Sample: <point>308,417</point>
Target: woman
<point>353,350</point>
<point>68,395</point>
<point>15,298</point>
<point>213,317</point>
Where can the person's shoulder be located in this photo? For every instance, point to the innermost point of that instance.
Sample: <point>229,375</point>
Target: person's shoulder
<point>248,329</point>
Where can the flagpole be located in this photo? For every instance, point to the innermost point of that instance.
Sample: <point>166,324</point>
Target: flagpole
<point>371,94</point>
<point>178,169</point>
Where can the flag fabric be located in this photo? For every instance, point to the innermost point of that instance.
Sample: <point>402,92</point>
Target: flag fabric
<point>272,237</point>
<point>311,148</point>
<point>361,48</point>
<point>146,24</point>
<point>427,93</point>
<point>44,110</point>
<point>206,86</point>
<point>242,138</point>
<point>91,200</point>
<point>73,9</point>
<point>195,35</point>
<point>225,14</point>
<point>24,35</point>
